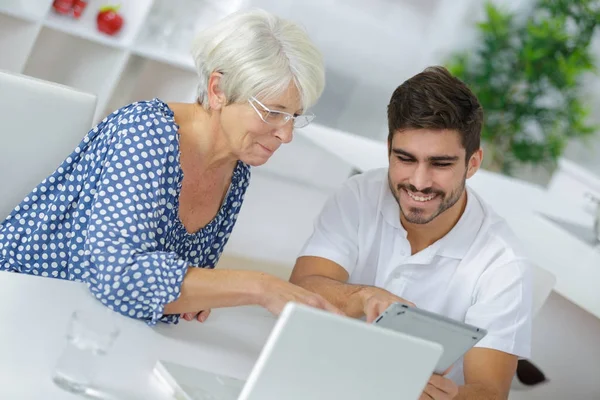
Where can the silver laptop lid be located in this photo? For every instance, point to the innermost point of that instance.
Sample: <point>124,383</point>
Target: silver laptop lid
<point>313,354</point>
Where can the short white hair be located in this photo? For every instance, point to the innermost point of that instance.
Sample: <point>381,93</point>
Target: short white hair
<point>259,54</point>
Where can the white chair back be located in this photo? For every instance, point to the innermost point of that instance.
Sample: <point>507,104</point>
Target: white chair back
<point>40,125</point>
<point>543,283</point>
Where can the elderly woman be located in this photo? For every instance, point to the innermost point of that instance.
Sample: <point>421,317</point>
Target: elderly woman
<point>143,207</point>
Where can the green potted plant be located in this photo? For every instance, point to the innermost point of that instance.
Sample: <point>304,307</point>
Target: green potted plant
<point>527,71</point>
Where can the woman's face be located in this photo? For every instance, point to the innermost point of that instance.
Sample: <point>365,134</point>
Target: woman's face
<point>252,140</point>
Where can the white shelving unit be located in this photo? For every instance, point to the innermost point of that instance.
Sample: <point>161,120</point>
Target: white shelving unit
<point>137,63</point>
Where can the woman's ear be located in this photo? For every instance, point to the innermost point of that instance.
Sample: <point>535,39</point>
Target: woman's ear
<point>474,163</point>
<point>216,96</point>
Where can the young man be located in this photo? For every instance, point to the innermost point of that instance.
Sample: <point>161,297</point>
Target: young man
<point>415,233</point>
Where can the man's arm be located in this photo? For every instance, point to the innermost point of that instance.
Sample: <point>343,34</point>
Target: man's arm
<point>488,375</point>
<point>328,279</point>
<point>503,307</point>
<point>323,276</point>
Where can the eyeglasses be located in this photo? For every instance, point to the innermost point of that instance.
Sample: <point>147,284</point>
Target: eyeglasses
<point>279,118</point>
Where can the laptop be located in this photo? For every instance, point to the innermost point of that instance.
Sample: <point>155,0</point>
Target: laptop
<point>314,354</point>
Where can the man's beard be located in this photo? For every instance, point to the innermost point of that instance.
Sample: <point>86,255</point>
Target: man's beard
<point>415,215</point>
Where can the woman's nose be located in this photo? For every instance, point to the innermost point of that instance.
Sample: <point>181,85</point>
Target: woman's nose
<point>285,133</point>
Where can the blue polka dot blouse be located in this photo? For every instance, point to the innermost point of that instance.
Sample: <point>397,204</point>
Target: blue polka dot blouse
<point>108,216</point>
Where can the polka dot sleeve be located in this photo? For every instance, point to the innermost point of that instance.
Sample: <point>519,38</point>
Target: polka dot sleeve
<point>128,272</point>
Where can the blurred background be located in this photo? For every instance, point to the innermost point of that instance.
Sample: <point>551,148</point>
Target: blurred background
<point>532,63</point>
<point>525,49</point>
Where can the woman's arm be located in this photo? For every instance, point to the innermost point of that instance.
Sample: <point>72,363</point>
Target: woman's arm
<point>126,267</point>
<point>204,289</point>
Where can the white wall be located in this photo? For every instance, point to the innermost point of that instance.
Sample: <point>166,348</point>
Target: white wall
<point>371,47</point>
<point>588,154</point>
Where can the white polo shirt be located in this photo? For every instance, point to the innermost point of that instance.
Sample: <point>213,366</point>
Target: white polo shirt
<point>476,273</point>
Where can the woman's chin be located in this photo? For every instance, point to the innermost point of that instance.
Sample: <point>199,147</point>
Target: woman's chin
<point>255,160</point>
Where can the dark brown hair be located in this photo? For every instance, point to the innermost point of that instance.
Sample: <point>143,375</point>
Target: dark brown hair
<point>434,99</point>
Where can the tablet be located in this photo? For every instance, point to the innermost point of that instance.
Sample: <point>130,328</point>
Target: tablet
<point>455,337</point>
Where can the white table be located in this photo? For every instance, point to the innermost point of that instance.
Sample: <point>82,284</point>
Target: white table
<point>34,313</point>
<point>575,264</point>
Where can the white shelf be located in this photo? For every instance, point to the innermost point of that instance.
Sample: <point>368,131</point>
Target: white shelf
<point>79,28</point>
<point>133,12</point>
<point>35,40</point>
<point>16,30</point>
<point>177,60</point>
<point>19,13</point>
<point>71,60</point>
<point>143,78</point>
<point>158,79</point>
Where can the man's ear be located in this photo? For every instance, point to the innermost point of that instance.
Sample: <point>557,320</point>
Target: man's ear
<point>474,163</point>
<point>216,96</point>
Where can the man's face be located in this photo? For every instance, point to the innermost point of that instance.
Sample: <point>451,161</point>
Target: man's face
<point>427,172</point>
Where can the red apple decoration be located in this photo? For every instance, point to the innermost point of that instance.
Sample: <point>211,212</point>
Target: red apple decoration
<point>63,6</point>
<point>109,20</point>
<point>79,7</point>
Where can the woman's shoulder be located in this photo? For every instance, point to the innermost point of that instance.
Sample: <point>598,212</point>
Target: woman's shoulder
<point>141,119</point>
<point>147,112</point>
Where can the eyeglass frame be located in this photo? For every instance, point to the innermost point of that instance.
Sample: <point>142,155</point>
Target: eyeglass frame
<point>289,117</point>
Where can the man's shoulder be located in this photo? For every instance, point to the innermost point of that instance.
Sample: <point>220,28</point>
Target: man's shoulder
<point>367,181</point>
<point>364,188</point>
<point>497,254</point>
<point>497,242</point>
<point>361,193</point>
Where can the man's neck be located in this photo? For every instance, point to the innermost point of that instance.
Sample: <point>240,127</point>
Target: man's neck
<point>421,236</point>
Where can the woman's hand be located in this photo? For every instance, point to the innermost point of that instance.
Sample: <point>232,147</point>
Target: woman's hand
<point>201,316</point>
<point>204,289</point>
<point>376,300</point>
<point>276,293</point>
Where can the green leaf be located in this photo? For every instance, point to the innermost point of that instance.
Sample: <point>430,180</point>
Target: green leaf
<point>531,69</point>
<point>113,7</point>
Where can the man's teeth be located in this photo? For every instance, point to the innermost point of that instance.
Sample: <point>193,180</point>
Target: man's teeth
<point>420,198</point>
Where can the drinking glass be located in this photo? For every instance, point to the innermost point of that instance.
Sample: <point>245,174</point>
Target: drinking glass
<point>89,337</point>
